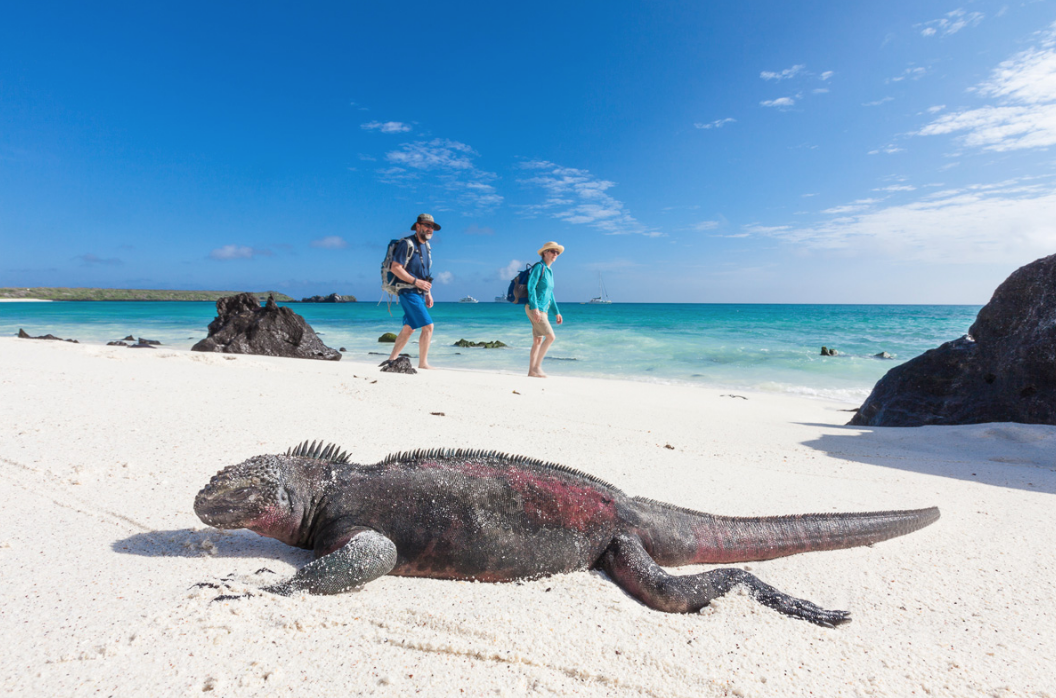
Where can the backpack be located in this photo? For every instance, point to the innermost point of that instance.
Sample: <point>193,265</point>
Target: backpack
<point>518,290</point>
<point>390,283</point>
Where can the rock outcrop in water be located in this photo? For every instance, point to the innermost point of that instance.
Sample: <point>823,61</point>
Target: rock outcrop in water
<point>495,344</point>
<point>1003,370</point>
<point>242,326</point>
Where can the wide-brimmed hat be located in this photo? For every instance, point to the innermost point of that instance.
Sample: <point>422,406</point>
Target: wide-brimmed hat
<point>552,246</point>
<point>425,218</point>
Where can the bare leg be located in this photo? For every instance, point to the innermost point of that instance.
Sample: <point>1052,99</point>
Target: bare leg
<point>423,346</point>
<point>534,355</point>
<point>540,345</point>
<point>401,341</point>
<point>627,563</point>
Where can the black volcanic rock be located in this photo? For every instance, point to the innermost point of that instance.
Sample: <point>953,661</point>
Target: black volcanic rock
<point>496,344</point>
<point>22,334</point>
<point>1003,370</point>
<point>242,326</point>
<point>332,298</point>
<point>399,365</point>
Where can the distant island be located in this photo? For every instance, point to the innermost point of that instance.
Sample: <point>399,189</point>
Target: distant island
<point>125,294</point>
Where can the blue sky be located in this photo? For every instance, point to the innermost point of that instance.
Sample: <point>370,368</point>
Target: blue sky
<point>897,152</point>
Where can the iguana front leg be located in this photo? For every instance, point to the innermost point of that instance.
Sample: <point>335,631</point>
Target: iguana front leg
<point>365,557</point>
<point>629,565</point>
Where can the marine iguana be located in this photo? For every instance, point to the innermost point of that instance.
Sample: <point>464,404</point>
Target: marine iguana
<point>493,517</point>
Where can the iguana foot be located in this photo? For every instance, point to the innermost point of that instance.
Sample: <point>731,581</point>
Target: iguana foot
<point>364,556</point>
<point>631,567</point>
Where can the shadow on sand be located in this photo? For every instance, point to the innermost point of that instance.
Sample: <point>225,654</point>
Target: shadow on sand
<point>1003,454</point>
<point>185,542</point>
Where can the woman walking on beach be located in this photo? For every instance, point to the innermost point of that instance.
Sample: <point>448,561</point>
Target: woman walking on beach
<point>540,300</point>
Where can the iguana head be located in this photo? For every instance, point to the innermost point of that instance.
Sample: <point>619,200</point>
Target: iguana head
<point>256,494</point>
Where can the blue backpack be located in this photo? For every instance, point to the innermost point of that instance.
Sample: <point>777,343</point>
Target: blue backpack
<point>518,290</point>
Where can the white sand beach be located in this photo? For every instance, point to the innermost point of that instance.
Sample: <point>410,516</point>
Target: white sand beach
<point>102,450</point>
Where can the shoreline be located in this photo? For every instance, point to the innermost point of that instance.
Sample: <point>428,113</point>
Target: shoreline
<point>804,392</point>
<point>104,449</point>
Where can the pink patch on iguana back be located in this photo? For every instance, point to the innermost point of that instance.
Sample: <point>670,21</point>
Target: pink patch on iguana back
<point>554,502</point>
<point>550,499</point>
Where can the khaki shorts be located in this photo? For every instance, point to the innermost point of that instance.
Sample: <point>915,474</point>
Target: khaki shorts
<point>540,328</point>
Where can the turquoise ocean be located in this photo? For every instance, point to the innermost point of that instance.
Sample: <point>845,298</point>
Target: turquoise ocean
<point>772,348</point>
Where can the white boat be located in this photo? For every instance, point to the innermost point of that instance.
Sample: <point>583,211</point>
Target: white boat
<point>500,299</point>
<point>468,299</point>
<point>602,298</point>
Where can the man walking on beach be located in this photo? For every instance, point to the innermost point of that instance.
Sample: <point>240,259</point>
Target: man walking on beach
<point>417,299</point>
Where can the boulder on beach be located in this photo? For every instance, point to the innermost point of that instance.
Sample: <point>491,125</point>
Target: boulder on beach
<point>825,351</point>
<point>399,365</point>
<point>22,334</point>
<point>1003,370</point>
<point>387,337</point>
<point>242,326</point>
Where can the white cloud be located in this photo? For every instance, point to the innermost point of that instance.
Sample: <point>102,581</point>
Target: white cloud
<point>444,277</point>
<point>897,187</point>
<point>229,252</point>
<point>820,90</point>
<point>576,196</point>
<point>910,73</point>
<point>888,149</point>
<point>1026,78</point>
<point>1025,87</point>
<point>1001,222</point>
<point>827,74</point>
<point>784,74</point>
<point>512,269</point>
<point>854,207</point>
<point>936,109</point>
<point>705,225</point>
<point>779,102</point>
<point>445,165</point>
<point>952,23</point>
<point>878,102</point>
<point>715,124</point>
<point>1000,128</point>
<point>436,154</point>
<point>386,127</point>
<point>330,242</point>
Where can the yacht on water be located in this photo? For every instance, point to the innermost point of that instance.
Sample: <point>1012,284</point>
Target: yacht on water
<point>468,299</point>
<point>602,298</point>
<point>500,299</point>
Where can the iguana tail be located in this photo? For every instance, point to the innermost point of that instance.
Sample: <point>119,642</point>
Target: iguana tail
<point>675,536</point>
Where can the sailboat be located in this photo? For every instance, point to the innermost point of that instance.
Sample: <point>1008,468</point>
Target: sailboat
<point>602,298</point>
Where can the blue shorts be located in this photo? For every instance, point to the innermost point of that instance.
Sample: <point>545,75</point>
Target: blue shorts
<point>414,311</point>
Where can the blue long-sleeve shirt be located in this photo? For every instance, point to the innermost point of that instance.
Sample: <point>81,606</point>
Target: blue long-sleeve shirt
<point>541,289</point>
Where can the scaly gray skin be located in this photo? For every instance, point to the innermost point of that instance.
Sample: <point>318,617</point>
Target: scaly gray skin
<point>492,517</point>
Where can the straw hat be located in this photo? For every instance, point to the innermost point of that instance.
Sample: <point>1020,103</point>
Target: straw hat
<point>425,218</point>
<point>552,246</point>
